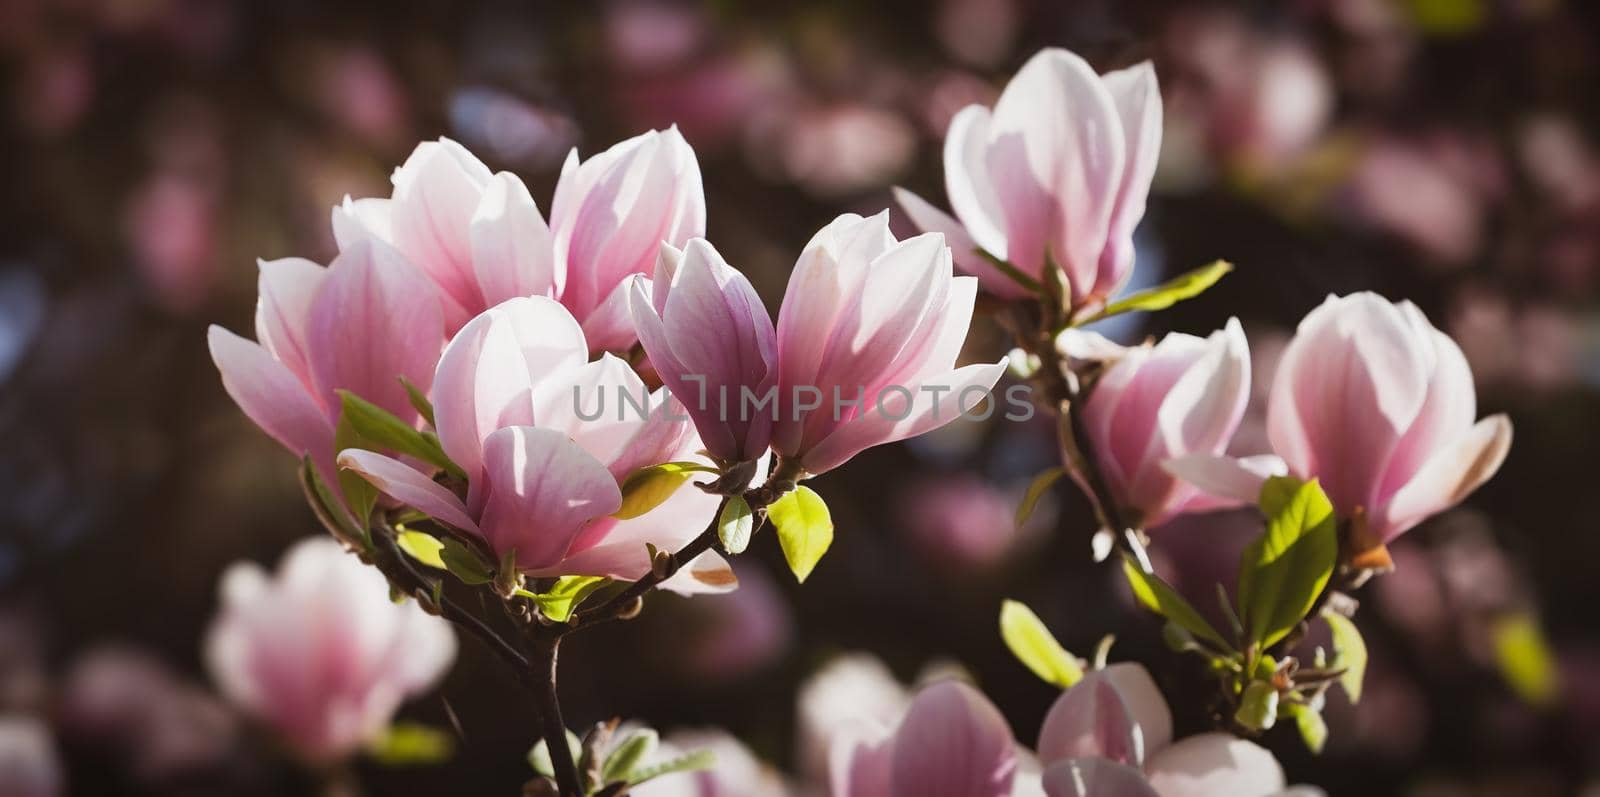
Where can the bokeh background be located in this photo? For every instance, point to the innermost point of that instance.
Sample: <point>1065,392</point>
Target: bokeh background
<point>1446,151</point>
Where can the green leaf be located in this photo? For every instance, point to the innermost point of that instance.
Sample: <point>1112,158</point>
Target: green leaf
<point>693,762</point>
<point>1184,286</point>
<point>328,509</point>
<point>539,755</point>
<point>647,487</point>
<point>1036,491</point>
<point>1525,659</point>
<point>359,494</point>
<point>1349,652</point>
<point>419,401</point>
<point>421,547</point>
<point>805,530</point>
<point>1282,572</point>
<point>463,563</point>
<point>381,430</point>
<point>409,744</point>
<point>1158,596</point>
<point>627,755</point>
<point>1258,709</point>
<point>1033,645</point>
<point>565,596</point>
<point>1313,729</point>
<point>735,525</point>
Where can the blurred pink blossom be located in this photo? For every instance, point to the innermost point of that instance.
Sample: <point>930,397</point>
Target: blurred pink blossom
<point>963,523</point>
<point>318,652</point>
<point>29,764</point>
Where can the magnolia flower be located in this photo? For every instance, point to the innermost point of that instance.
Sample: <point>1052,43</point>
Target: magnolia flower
<point>1183,396</point>
<point>1378,405</point>
<point>609,215</point>
<point>853,694</point>
<point>480,237</point>
<point>1056,174</point>
<point>736,771</point>
<point>546,438</point>
<point>360,324</point>
<point>710,339</point>
<point>952,740</point>
<point>318,652</point>
<point>867,340</point>
<point>1110,735</point>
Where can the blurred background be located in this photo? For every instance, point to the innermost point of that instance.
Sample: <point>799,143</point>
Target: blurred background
<point>1446,151</point>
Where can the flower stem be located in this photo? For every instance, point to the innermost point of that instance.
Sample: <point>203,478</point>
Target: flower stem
<point>545,650</point>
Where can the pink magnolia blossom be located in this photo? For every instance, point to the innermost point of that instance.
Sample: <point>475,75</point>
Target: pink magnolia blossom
<point>1378,405</point>
<point>710,339</point>
<point>1057,172</point>
<point>318,652</point>
<point>952,740</point>
<point>1110,735</point>
<point>878,322</point>
<point>1185,395</point>
<point>481,238</point>
<point>546,438</point>
<point>360,324</point>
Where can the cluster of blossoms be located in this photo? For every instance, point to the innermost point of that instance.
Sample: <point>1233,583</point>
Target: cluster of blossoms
<point>483,333</point>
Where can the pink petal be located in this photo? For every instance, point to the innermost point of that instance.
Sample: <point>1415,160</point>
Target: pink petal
<point>609,327</point>
<point>1214,763</point>
<point>1056,158</point>
<point>358,219</point>
<point>512,252</point>
<point>1449,476</point>
<point>375,320</point>
<point>931,219</point>
<point>436,192</point>
<point>878,425</point>
<point>859,763</point>
<point>952,741</point>
<point>1447,413</point>
<point>708,574</point>
<point>1233,481</point>
<point>1091,720</point>
<point>287,288</point>
<point>966,177</point>
<point>486,375</point>
<point>1095,777</point>
<point>541,490</point>
<point>271,396</point>
<point>1138,101</point>
<point>406,485</point>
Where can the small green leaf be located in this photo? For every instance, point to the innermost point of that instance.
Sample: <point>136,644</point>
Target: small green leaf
<point>693,762</point>
<point>735,525</point>
<point>1258,709</point>
<point>1036,491</point>
<point>409,744</point>
<point>381,430</point>
<point>1033,645</point>
<point>419,401</point>
<point>1313,729</point>
<point>539,755</point>
<point>359,494</point>
<point>1158,596</point>
<point>1525,659</point>
<point>565,596</point>
<point>463,563</point>
<point>647,487</point>
<point>421,547</point>
<point>328,509</point>
<point>1283,571</point>
<point>1349,652</point>
<point>627,755</point>
<point>805,530</point>
<point>1184,286</point>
